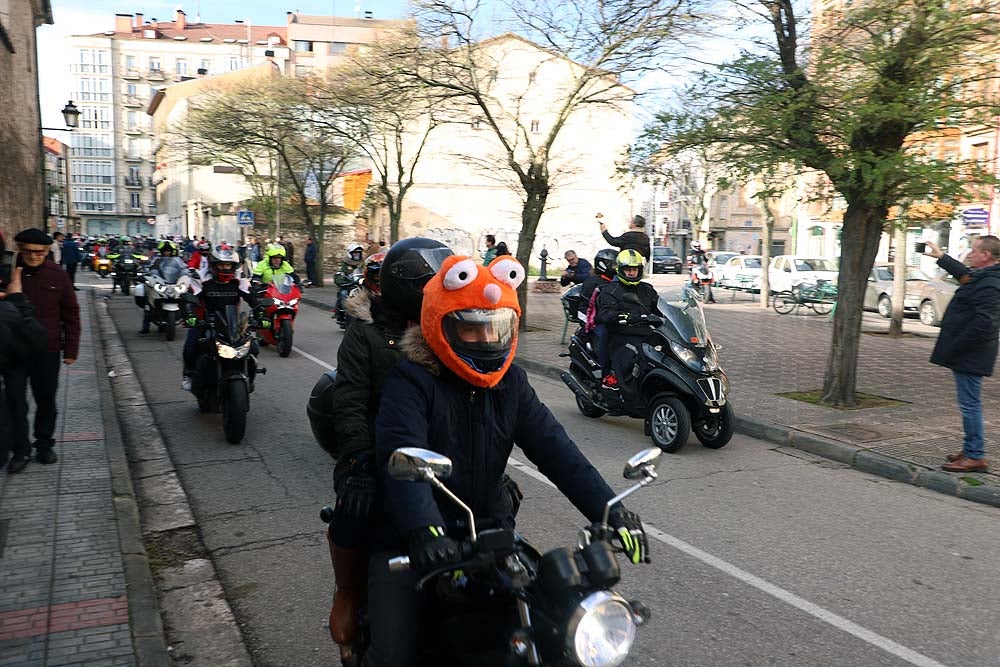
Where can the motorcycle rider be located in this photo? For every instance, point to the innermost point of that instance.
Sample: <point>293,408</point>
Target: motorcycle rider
<point>342,279</point>
<point>199,260</point>
<point>166,255</point>
<point>605,262</point>
<point>699,258</point>
<point>273,266</point>
<point>220,287</point>
<point>388,302</point>
<point>620,317</point>
<point>456,392</point>
<point>123,251</point>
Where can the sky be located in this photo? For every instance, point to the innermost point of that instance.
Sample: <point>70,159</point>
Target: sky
<point>74,17</point>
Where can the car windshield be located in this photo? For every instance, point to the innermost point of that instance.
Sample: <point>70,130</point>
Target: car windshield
<point>751,263</point>
<point>663,253</point>
<point>815,265</point>
<point>886,273</point>
<point>723,257</point>
<point>682,311</point>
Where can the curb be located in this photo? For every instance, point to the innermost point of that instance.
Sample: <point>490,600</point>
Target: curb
<point>191,598</point>
<point>860,459</point>
<point>309,301</point>
<point>148,639</point>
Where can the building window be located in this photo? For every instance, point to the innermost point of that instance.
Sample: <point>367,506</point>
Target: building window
<point>154,64</point>
<point>93,89</point>
<point>94,199</point>
<point>91,145</point>
<point>234,63</point>
<point>133,174</point>
<point>534,126</point>
<point>93,61</point>
<point>303,46</point>
<point>477,123</point>
<point>134,201</point>
<point>93,172</point>
<point>205,65</point>
<point>95,118</point>
<point>302,70</point>
<point>182,67</point>
<point>337,48</point>
<point>531,78</point>
<point>133,120</point>
<point>130,63</point>
<point>131,89</point>
<point>494,75</point>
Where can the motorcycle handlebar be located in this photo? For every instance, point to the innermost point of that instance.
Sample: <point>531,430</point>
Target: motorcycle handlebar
<point>399,564</point>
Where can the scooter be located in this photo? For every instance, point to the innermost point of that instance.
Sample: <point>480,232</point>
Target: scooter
<point>284,295</point>
<point>679,384</point>
<point>506,603</point>
<point>225,370</point>
<point>702,278</point>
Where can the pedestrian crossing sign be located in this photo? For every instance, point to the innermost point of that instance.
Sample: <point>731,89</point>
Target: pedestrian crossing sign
<point>244,217</point>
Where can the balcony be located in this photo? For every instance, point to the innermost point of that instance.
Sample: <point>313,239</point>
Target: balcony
<point>133,157</point>
<point>132,101</point>
<point>135,129</point>
<point>133,182</point>
<point>154,75</point>
<point>131,74</point>
<point>156,180</point>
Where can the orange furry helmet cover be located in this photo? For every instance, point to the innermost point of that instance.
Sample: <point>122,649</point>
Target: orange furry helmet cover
<point>470,315</point>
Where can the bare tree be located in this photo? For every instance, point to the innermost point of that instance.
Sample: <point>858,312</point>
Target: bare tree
<point>584,51</point>
<point>260,125</point>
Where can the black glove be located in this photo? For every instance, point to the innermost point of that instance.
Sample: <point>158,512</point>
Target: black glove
<point>628,528</point>
<point>356,495</point>
<point>431,549</point>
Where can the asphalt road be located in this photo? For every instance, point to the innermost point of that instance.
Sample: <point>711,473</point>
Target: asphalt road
<point>761,555</point>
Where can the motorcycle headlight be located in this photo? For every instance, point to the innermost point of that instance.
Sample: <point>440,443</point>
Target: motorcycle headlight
<point>687,356</point>
<point>293,302</point>
<point>181,288</point>
<point>229,352</point>
<point>160,289</point>
<point>601,630</point>
<point>711,359</point>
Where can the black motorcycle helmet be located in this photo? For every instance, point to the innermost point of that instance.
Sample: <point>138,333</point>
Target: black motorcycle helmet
<point>407,267</point>
<point>321,412</point>
<point>605,261</point>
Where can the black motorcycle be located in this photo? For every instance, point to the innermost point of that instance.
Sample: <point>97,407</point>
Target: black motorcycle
<point>350,285</point>
<point>505,603</point>
<point>678,384</point>
<point>226,368</point>
<point>125,271</point>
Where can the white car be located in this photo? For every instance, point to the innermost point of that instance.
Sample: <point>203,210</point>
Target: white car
<point>742,272</point>
<point>787,271</point>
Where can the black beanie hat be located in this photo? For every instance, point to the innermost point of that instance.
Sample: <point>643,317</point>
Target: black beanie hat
<point>33,235</point>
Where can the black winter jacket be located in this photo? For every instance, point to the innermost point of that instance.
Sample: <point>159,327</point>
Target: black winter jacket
<point>21,335</point>
<point>610,302</point>
<point>638,241</point>
<point>970,328</point>
<point>366,355</point>
<point>425,405</point>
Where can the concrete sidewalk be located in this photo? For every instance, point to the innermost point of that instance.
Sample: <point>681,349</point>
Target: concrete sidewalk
<point>765,354</point>
<point>75,588</point>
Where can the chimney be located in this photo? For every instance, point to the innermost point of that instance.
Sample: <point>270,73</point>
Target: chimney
<point>202,72</point>
<point>138,20</point>
<point>368,13</point>
<point>154,24</point>
<point>290,17</point>
<point>180,19</point>
<point>123,23</point>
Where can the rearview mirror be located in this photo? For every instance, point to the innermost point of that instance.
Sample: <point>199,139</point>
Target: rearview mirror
<point>414,464</point>
<point>637,466</point>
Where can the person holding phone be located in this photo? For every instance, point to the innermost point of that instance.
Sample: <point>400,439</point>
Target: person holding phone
<point>968,341</point>
<point>21,337</point>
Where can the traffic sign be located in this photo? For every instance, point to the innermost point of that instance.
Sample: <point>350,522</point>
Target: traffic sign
<point>244,217</point>
<point>975,216</point>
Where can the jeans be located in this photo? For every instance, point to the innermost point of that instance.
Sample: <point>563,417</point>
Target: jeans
<point>43,375</point>
<point>15,407</point>
<point>969,404</point>
<point>600,339</point>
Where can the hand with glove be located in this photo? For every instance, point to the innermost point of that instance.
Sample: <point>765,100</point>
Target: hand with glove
<point>191,321</point>
<point>355,490</point>
<point>628,528</point>
<point>431,549</point>
<point>264,324</point>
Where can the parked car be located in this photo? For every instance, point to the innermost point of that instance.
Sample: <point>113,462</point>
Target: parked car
<point>878,293</point>
<point>935,297</point>
<point>786,271</point>
<point>743,271</point>
<point>666,260</point>
<point>719,257</point>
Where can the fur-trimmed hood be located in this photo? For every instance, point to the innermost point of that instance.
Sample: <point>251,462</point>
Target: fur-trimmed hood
<point>416,349</point>
<point>359,306</point>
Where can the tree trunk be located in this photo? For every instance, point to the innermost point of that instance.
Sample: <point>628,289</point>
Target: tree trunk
<point>531,214</point>
<point>859,245</point>
<point>898,281</point>
<point>395,208</point>
<point>318,239</point>
<point>765,252</point>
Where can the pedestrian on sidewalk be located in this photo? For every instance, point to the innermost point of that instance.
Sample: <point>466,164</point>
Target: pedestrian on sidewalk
<point>21,338</point>
<point>71,258</point>
<point>968,341</point>
<point>56,253</point>
<point>50,291</point>
<point>577,269</point>
<point>491,250</point>
<point>310,258</point>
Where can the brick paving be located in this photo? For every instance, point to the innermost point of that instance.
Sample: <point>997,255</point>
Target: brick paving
<point>63,598</point>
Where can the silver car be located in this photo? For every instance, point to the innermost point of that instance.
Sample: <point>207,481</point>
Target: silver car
<point>878,294</point>
<point>935,297</point>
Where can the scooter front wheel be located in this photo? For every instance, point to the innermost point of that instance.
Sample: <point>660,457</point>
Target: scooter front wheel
<point>669,423</point>
<point>589,409</point>
<point>715,431</point>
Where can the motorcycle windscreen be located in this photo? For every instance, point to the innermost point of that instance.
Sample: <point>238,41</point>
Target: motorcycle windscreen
<point>172,270</point>
<point>232,323</point>
<point>683,313</point>
<point>284,284</point>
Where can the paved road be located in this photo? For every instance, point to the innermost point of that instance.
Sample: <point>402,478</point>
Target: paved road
<point>762,555</point>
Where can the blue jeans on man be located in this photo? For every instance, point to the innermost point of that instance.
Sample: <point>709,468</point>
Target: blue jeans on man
<point>970,389</point>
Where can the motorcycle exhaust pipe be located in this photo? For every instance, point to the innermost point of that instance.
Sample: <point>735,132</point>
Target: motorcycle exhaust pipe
<point>575,386</point>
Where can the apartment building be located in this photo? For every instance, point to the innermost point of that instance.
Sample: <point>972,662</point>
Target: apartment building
<point>57,187</point>
<point>318,42</point>
<point>115,74</point>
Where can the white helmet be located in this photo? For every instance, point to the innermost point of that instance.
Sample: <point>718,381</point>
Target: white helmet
<point>696,245</point>
<point>355,249</point>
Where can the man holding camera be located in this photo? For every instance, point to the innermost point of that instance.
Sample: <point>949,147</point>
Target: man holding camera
<point>968,340</point>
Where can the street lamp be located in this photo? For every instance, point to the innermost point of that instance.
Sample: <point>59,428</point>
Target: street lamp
<point>71,116</point>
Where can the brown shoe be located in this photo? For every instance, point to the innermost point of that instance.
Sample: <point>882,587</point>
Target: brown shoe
<point>350,568</point>
<point>967,465</point>
<point>954,457</point>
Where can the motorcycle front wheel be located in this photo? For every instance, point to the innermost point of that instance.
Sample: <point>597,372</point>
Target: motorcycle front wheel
<point>715,431</point>
<point>669,423</point>
<point>234,411</point>
<point>126,286</point>
<point>285,338</point>
<point>170,324</point>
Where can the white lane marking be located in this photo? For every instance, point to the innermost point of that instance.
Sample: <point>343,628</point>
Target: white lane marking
<point>825,615</point>
<point>314,359</point>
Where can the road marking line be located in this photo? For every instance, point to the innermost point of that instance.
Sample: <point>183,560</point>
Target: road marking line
<point>314,359</point>
<point>825,615</point>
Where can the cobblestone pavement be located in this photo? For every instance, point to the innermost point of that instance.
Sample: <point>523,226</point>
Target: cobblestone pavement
<point>766,354</point>
<point>62,577</point>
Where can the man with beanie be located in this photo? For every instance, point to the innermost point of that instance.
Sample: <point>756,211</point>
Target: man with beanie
<point>50,291</point>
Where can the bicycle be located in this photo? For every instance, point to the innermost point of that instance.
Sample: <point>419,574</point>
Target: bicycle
<point>820,297</point>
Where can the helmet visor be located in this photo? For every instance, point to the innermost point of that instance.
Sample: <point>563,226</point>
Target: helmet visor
<point>420,264</point>
<point>482,338</point>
